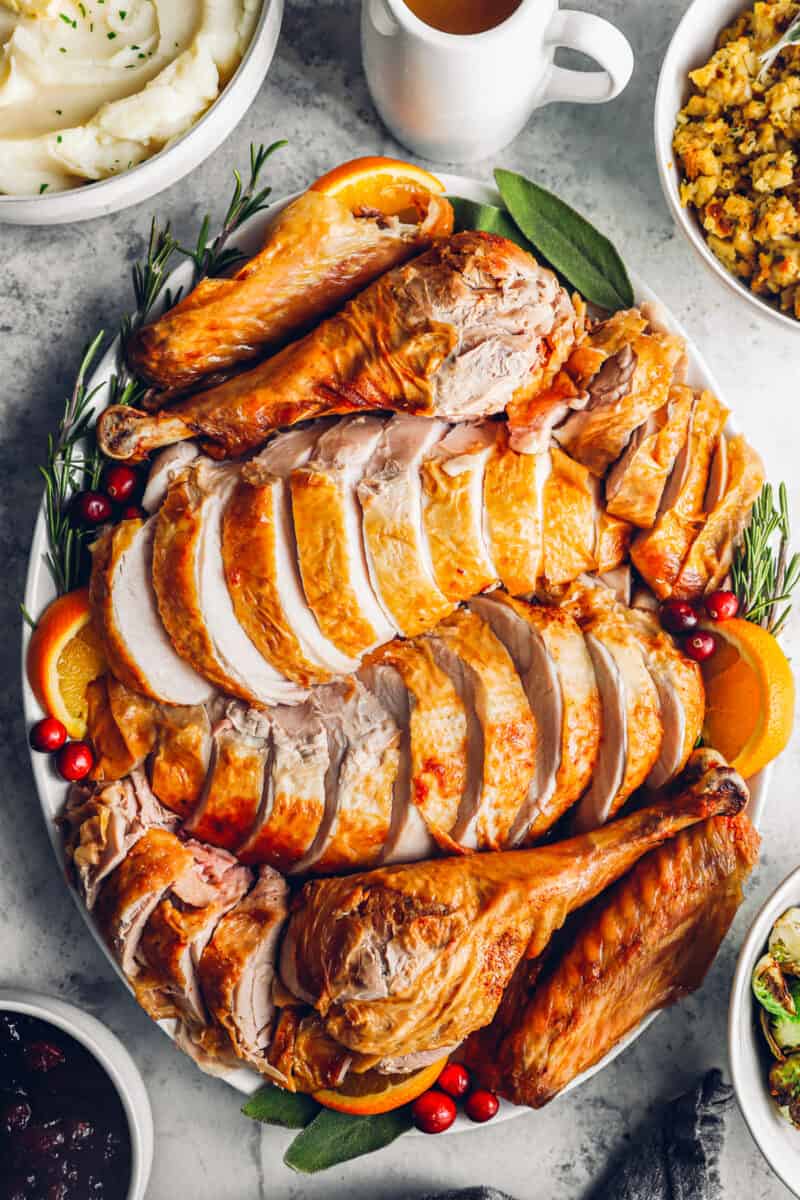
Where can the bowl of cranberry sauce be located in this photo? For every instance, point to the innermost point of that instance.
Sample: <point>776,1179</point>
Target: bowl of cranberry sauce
<point>75,1121</point>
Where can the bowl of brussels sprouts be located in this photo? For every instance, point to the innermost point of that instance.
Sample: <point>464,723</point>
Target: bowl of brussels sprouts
<point>764,1031</point>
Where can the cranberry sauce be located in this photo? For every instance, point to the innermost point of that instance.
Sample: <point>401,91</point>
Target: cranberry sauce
<point>63,1130</point>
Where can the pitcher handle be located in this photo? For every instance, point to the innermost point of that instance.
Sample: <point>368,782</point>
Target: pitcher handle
<point>598,39</point>
<point>381,18</point>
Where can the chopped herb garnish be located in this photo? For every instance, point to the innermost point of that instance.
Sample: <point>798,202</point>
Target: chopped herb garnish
<point>63,49</point>
<point>122,14</point>
<point>68,20</point>
<point>59,138</point>
<point>111,36</point>
<point>83,10</point>
<point>43,187</point>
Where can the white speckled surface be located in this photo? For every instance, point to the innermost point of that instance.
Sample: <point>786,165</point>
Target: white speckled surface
<point>57,287</point>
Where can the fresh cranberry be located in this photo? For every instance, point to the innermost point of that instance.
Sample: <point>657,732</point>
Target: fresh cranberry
<point>78,1132</point>
<point>74,761</point>
<point>454,1080</point>
<point>58,1191</point>
<point>36,1146</point>
<point>433,1112</point>
<point>721,606</point>
<point>677,616</point>
<point>43,1056</point>
<point>699,646</point>
<point>91,508</point>
<point>481,1105</point>
<point>15,1117</point>
<point>120,482</point>
<point>48,735</point>
<point>132,512</point>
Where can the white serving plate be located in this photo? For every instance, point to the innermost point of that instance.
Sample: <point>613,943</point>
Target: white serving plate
<point>39,592</point>
<point>175,160</point>
<point>693,43</point>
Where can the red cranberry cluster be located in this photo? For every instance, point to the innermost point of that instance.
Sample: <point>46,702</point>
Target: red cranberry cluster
<point>74,760</point>
<point>435,1110</point>
<point>121,486</point>
<point>679,617</point>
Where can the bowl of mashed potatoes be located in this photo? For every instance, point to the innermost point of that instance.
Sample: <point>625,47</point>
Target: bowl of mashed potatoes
<point>727,132</point>
<point>103,103</point>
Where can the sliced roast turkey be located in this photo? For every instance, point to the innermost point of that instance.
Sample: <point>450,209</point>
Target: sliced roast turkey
<point>260,555</point>
<point>238,966</point>
<point>102,826</point>
<point>179,766</point>
<point>127,618</point>
<point>502,739</point>
<point>408,839</point>
<point>453,510</point>
<point>165,468</point>
<point>293,800</point>
<point>513,494</point>
<point>330,543</point>
<point>363,749</point>
<point>178,930</point>
<point>193,596</point>
<point>398,554</point>
<point>553,663</point>
<point>231,798</point>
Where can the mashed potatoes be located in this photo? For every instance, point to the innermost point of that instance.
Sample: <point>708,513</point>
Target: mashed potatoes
<point>738,144</point>
<point>88,89</point>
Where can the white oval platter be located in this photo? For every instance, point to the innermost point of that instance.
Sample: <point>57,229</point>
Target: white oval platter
<point>39,591</point>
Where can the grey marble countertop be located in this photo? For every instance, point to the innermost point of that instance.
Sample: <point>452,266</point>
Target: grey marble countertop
<point>57,287</point>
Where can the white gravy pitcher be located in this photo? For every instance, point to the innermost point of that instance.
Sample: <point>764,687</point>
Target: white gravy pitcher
<point>460,97</point>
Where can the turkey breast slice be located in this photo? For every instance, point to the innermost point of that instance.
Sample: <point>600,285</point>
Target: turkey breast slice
<point>193,596</point>
<point>553,662</point>
<point>437,727</point>
<point>398,554</point>
<point>293,800</point>
<point>182,756</point>
<point>632,729</point>
<point>100,827</point>
<point>330,543</point>
<point>453,512</point>
<point>659,553</point>
<point>178,930</point>
<point>633,382</point>
<point>261,567</point>
<point>363,749</point>
<point>408,839</point>
<point>709,558</point>
<point>679,683</point>
<point>238,967</point>
<point>126,615</point>
<point>512,496</point>
<point>636,482</point>
<point>113,756</point>
<point>164,469</point>
<point>570,507</point>
<point>156,862</point>
<point>506,743</point>
<point>230,802</point>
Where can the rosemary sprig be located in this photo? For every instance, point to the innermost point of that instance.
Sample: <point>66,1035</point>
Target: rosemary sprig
<point>213,257</point>
<point>790,37</point>
<point>70,465</point>
<point>764,574</point>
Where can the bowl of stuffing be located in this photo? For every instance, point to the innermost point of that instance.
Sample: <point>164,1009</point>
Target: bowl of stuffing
<point>727,134</point>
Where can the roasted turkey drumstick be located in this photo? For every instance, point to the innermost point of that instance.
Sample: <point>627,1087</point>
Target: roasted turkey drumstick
<point>317,254</point>
<point>455,333</point>
<point>406,959</point>
<point>645,944</point>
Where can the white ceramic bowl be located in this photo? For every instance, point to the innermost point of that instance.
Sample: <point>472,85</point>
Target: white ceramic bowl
<point>170,164</point>
<point>692,45</point>
<point>115,1061</point>
<point>749,1057</point>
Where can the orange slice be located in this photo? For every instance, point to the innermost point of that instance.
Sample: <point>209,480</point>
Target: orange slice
<point>749,695</point>
<point>386,184</point>
<point>370,1093</point>
<point>64,656</point>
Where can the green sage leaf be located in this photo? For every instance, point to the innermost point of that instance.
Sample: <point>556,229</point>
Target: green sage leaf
<point>488,218</point>
<point>569,242</point>
<point>334,1137</point>
<point>275,1106</point>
